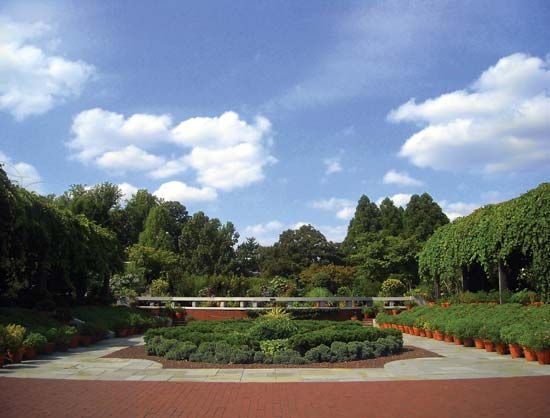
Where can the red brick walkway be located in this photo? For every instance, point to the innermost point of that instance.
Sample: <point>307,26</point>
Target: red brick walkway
<point>475,398</point>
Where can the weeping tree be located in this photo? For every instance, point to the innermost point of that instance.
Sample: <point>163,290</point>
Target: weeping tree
<point>508,243</point>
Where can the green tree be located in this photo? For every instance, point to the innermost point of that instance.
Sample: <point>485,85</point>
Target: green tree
<point>365,220</point>
<point>247,258</point>
<point>391,217</point>
<point>135,213</point>
<point>423,216</point>
<point>159,230</point>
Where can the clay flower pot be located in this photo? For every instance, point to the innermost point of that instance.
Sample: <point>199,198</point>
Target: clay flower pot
<point>457,340</point>
<point>429,333</point>
<point>543,357</point>
<point>422,332</point>
<point>123,332</point>
<point>1,360</point>
<point>530,355</point>
<point>489,346</point>
<point>478,342</point>
<point>74,341</point>
<point>16,357</point>
<point>85,340</point>
<point>61,347</point>
<point>29,353</point>
<point>48,348</point>
<point>501,348</point>
<point>468,342</point>
<point>448,338</point>
<point>515,350</point>
<point>438,336</point>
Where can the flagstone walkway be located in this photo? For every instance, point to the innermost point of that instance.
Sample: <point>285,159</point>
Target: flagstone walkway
<point>458,363</point>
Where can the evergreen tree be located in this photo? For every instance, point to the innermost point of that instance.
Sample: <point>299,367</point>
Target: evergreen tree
<point>391,217</point>
<point>365,220</point>
<point>423,216</point>
<point>156,233</point>
<point>247,258</point>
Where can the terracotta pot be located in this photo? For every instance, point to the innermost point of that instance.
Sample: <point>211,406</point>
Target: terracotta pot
<point>48,348</point>
<point>85,340</point>
<point>16,357</point>
<point>122,333</point>
<point>468,342</point>
<point>543,357</point>
<point>394,311</point>
<point>438,336</point>
<point>501,348</point>
<point>179,315</point>
<point>530,355</point>
<point>489,346</point>
<point>74,341</point>
<point>1,360</point>
<point>448,338</point>
<point>515,350</point>
<point>429,333</point>
<point>445,304</point>
<point>478,342</point>
<point>61,347</point>
<point>457,340</point>
<point>29,353</point>
<point>422,332</point>
<point>400,328</point>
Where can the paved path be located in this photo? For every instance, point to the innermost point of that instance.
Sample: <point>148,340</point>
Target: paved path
<point>509,397</point>
<point>458,363</point>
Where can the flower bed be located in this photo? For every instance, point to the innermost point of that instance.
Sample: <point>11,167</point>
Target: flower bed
<point>502,328</point>
<point>272,341</point>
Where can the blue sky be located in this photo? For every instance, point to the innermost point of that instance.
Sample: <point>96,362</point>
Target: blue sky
<point>276,113</point>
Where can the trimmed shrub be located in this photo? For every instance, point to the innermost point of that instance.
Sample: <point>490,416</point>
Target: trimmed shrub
<point>319,354</point>
<point>288,357</point>
<point>181,351</point>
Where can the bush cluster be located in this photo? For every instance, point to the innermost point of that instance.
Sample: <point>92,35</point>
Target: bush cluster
<point>272,341</point>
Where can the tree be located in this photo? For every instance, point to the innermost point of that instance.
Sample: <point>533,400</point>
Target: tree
<point>136,211</point>
<point>161,229</point>
<point>365,220</point>
<point>329,276</point>
<point>206,246</point>
<point>247,258</point>
<point>423,216</point>
<point>391,217</point>
<point>297,249</point>
<point>153,263</point>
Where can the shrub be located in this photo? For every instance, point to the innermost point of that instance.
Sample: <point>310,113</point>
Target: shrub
<point>392,287</point>
<point>159,287</point>
<point>277,313</point>
<point>35,341</point>
<point>242,355</point>
<point>270,347</point>
<point>15,334</point>
<point>164,345</point>
<point>181,351</point>
<point>288,357</point>
<point>273,329</point>
<point>319,354</point>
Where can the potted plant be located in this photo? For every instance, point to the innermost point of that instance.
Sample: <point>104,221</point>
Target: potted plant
<point>51,337</point>
<point>535,341</point>
<point>15,334</point>
<point>2,345</point>
<point>64,337</point>
<point>179,313</point>
<point>85,331</point>
<point>369,311</point>
<point>33,344</point>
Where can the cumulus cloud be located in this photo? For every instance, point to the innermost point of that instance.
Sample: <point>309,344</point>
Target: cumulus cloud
<point>225,152</point>
<point>181,192</point>
<point>268,233</point>
<point>399,199</point>
<point>401,178</point>
<point>499,123</point>
<point>343,208</point>
<point>333,165</point>
<point>127,191</point>
<point>32,80</point>
<point>21,173</point>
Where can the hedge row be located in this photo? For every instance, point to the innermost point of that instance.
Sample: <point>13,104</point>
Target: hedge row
<point>509,323</point>
<point>272,342</point>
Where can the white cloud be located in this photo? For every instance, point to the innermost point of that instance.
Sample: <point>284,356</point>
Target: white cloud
<point>127,191</point>
<point>130,158</point>
<point>225,152</point>
<point>402,178</point>
<point>500,123</point>
<point>457,209</point>
<point>333,165</point>
<point>399,199</point>
<point>33,81</point>
<point>21,173</point>
<point>343,208</point>
<point>181,192</point>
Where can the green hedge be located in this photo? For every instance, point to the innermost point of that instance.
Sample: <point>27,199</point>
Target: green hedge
<point>278,341</point>
<point>508,323</point>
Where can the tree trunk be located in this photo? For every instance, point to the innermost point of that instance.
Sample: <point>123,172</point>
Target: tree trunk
<point>502,279</point>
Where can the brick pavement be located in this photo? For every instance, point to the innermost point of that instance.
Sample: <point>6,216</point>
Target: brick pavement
<point>494,397</point>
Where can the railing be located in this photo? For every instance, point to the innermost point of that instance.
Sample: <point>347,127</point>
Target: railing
<point>262,303</point>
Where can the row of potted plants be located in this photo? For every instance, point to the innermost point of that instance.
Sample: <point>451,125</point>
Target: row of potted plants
<point>509,328</point>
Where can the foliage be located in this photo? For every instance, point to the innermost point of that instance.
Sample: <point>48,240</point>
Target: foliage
<point>246,341</point>
<point>159,287</point>
<point>15,335</point>
<point>319,292</point>
<point>392,287</point>
<point>518,228</point>
<point>277,313</point>
<point>35,341</point>
<point>329,276</point>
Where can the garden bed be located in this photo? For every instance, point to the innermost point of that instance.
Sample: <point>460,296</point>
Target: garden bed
<point>272,340</point>
<point>138,353</point>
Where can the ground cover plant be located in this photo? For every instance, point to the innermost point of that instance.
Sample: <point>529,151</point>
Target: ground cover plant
<point>276,340</point>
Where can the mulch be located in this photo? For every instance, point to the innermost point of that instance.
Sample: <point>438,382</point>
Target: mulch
<point>138,352</point>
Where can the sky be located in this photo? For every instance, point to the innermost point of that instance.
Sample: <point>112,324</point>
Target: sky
<point>273,114</point>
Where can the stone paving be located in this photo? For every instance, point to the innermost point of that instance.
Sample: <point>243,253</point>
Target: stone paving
<point>458,363</point>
